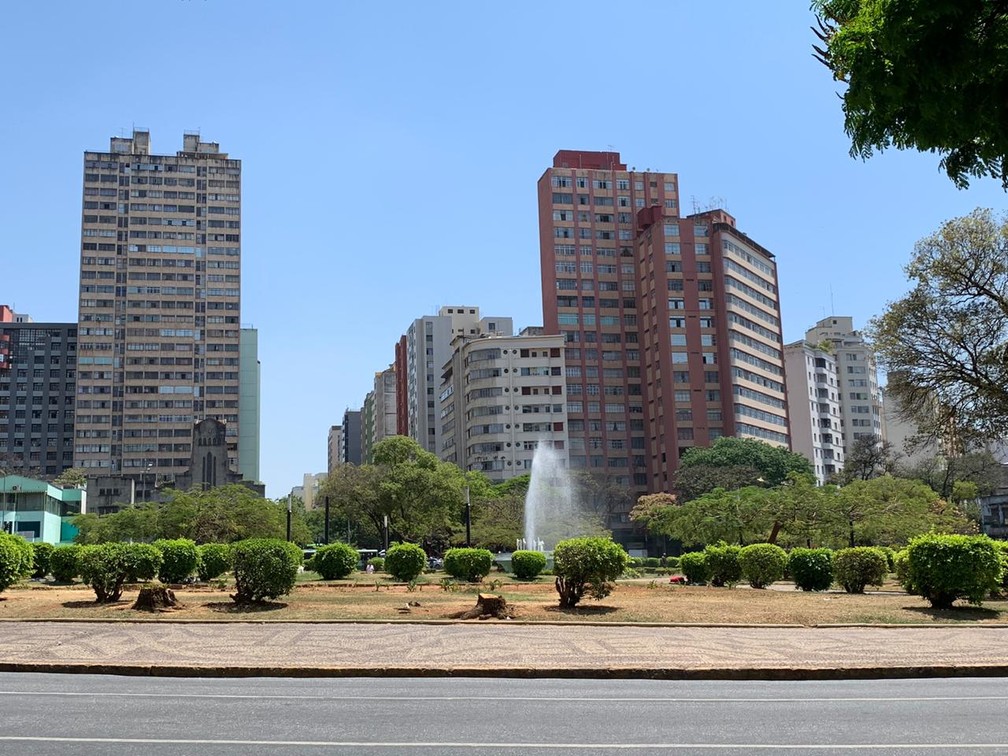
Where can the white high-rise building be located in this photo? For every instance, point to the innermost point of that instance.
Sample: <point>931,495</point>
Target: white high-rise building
<point>814,408</point>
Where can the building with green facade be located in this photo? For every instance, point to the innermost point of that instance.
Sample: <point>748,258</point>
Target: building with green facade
<point>40,511</point>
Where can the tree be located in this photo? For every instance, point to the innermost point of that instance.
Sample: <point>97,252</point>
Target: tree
<point>923,74</point>
<point>889,511</point>
<point>740,516</point>
<point>695,480</point>
<point>869,457</point>
<point>979,469</point>
<point>771,463</point>
<point>72,477</point>
<point>945,344</point>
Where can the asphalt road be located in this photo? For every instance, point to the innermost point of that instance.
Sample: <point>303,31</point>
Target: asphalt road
<point>64,714</point>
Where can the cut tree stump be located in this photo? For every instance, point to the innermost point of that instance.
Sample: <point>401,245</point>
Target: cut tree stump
<point>155,597</point>
<point>488,606</point>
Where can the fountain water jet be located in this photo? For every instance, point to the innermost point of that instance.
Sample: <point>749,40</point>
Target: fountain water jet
<point>552,512</point>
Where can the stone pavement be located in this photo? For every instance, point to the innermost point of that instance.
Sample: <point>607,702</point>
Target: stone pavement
<point>306,649</point>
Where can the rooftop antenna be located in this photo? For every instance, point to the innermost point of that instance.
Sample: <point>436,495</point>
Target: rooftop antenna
<point>831,307</point>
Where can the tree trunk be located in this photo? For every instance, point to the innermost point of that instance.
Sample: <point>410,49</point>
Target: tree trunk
<point>488,606</point>
<point>155,597</point>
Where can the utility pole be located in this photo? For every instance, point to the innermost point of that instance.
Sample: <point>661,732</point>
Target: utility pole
<point>468,519</point>
<point>290,503</point>
<point>326,539</point>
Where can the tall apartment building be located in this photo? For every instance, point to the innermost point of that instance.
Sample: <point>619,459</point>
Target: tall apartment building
<point>249,385</point>
<point>334,444</point>
<point>37,394</point>
<point>160,306</point>
<point>672,324</point>
<point>419,355</point>
<point>500,398</point>
<point>860,396</point>
<point>813,390</point>
<point>350,438</point>
<point>378,414</point>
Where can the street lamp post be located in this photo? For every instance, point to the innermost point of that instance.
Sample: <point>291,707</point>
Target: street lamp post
<point>289,505</point>
<point>468,519</point>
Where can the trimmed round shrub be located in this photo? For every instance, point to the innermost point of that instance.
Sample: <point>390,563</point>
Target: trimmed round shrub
<point>468,564</point>
<point>762,564</point>
<point>857,567</point>
<point>15,559</point>
<point>901,564</point>
<point>811,569</point>
<point>943,568</point>
<point>693,566</point>
<point>723,564</point>
<point>214,560</point>
<point>147,560</point>
<point>41,551</point>
<point>890,557</point>
<point>1002,547</point>
<point>264,568</point>
<point>405,561</point>
<point>108,566</point>
<point>378,563</point>
<point>587,565</point>
<point>335,561</point>
<point>527,565</point>
<point>63,563</point>
<point>180,559</point>
<point>652,563</point>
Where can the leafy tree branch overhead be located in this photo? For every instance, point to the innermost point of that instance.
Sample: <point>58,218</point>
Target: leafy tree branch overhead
<point>930,75</point>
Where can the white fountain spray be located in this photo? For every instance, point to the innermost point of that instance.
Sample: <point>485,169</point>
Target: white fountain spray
<point>551,512</point>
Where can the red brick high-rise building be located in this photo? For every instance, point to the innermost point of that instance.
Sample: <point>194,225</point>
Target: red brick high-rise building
<point>672,323</point>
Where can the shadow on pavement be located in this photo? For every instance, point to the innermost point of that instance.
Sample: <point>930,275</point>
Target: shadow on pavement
<point>958,614</point>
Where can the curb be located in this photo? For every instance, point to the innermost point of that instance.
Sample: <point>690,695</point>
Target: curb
<point>601,673</point>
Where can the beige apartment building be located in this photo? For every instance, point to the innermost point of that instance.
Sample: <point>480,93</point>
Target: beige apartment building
<point>160,306</point>
<point>860,395</point>
<point>500,398</point>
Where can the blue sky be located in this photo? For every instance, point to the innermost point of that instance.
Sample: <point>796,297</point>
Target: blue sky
<point>391,151</point>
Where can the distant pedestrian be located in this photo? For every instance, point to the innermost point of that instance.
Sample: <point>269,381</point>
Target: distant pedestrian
<point>369,569</point>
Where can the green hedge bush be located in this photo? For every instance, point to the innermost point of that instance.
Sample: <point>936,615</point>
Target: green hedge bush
<point>943,568</point>
<point>811,569</point>
<point>528,565</point>
<point>762,564</point>
<point>15,560</point>
<point>1002,547</point>
<point>63,563</point>
<point>723,564</point>
<point>264,568</point>
<point>859,566</point>
<point>468,564</point>
<point>335,561</point>
<point>180,559</point>
<point>378,563</point>
<point>587,565</point>
<point>41,551</point>
<point>901,566</point>
<point>405,561</point>
<point>108,566</point>
<point>693,566</point>
<point>214,560</point>
<point>147,559</point>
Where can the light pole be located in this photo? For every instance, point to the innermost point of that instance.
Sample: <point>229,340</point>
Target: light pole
<point>14,490</point>
<point>147,492</point>
<point>289,505</point>
<point>468,519</point>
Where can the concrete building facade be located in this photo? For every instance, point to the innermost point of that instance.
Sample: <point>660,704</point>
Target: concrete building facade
<point>672,324</point>
<point>861,407</point>
<point>500,398</point>
<point>419,355</point>
<point>39,511</point>
<point>350,439</point>
<point>249,404</point>
<point>814,405</point>
<point>160,306</point>
<point>334,446</point>
<point>38,369</point>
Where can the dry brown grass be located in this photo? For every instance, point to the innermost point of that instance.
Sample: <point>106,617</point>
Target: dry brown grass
<point>636,601</point>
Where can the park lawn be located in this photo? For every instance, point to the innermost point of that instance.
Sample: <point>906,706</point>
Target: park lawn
<point>633,601</point>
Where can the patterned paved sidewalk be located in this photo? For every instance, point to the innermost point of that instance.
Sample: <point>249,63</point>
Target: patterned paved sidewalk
<point>304,649</point>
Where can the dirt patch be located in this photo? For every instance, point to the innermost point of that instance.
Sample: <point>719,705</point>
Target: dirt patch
<point>631,601</point>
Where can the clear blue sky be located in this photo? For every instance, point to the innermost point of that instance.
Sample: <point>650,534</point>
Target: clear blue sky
<point>391,152</point>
